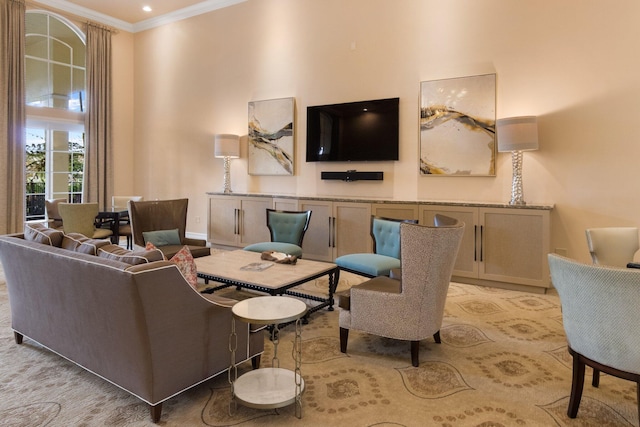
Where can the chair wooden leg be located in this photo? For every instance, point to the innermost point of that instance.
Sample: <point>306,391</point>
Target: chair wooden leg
<point>436,337</point>
<point>577,384</point>
<point>255,361</point>
<point>155,412</point>
<point>415,353</point>
<point>344,337</point>
<point>638,397</point>
<point>595,381</point>
<point>18,337</point>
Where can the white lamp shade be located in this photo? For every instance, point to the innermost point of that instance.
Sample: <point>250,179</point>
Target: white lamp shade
<point>517,133</point>
<point>227,145</point>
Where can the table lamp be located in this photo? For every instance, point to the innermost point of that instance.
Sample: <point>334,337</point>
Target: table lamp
<point>227,147</point>
<point>517,134</point>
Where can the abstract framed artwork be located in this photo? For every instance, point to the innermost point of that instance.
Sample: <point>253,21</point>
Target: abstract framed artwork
<point>271,137</point>
<point>457,126</point>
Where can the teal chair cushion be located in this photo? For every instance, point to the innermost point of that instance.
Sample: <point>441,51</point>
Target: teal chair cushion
<point>386,234</point>
<point>285,248</point>
<point>371,265</point>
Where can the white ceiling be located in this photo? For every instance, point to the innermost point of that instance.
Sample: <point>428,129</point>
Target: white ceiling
<point>128,14</point>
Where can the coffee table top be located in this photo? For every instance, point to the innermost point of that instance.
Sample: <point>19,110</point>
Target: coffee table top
<point>228,265</point>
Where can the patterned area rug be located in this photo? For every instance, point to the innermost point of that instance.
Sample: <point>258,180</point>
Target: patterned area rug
<point>502,362</point>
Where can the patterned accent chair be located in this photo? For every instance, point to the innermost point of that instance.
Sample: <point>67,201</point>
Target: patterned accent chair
<point>81,218</point>
<point>613,246</point>
<point>601,317</point>
<point>410,308</point>
<point>385,233</point>
<point>287,230</point>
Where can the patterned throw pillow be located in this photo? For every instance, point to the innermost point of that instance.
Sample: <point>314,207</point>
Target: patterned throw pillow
<point>187,266</point>
<point>40,233</point>
<point>151,247</point>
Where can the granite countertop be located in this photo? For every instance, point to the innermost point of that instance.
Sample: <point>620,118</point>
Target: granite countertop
<point>387,201</point>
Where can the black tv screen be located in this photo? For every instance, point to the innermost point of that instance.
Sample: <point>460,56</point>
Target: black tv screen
<point>354,131</point>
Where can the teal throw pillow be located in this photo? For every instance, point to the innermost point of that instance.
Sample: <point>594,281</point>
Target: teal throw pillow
<point>162,237</point>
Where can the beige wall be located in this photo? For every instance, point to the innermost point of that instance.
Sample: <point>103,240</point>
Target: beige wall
<point>573,63</point>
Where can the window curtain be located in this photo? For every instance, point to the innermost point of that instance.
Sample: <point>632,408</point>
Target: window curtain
<point>98,166</point>
<point>12,116</point>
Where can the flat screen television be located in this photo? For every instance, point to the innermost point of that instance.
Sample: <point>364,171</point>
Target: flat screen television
<point>354,131</point>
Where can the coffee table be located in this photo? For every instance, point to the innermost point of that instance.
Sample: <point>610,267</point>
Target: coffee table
<point>278,279</point>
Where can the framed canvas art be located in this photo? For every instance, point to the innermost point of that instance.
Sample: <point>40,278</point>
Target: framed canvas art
<point>457,126</point>
<point>271,137</point>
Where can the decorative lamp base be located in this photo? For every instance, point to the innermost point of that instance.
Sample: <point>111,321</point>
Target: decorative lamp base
<point>227,175</point>
<point>516,185</point>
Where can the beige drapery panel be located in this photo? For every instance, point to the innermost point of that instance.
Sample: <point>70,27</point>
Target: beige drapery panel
<point>98,167</point>
<point>12,115</point>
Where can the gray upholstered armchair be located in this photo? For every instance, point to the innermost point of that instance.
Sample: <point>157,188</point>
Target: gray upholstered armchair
<point>411,308</point>
<point>601,319</point>
<point>164,221</point>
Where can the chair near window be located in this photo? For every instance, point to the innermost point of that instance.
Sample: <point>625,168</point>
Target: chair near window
<point>54,220</point>
<point>385,233</point>
<point>287,230</point>
<point>613,246</point>
<point>411,308</point>
<point>121,203</point>
<point>600,317</point>
<point>81,218</point>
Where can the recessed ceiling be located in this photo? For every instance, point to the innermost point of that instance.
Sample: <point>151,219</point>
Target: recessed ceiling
<point>128,15</point>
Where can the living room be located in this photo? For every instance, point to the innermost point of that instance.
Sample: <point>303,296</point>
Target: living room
<point>179,84</point>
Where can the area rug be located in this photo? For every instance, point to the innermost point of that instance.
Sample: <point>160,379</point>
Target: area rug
<point>503,361</point>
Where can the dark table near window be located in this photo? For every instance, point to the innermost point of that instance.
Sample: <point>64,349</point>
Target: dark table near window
<point>111,219</point>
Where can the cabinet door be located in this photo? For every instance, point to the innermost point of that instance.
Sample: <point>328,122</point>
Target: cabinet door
<point>223,226</point>
<point>285,204</point>
<point>317,243</point>
<point>352,228</point>
<point>253,214</point>
<point>395,210</point>
<point>515,244</point>
<point>468,253</point>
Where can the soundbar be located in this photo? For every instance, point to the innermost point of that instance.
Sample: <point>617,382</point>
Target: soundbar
<point>352,175</point>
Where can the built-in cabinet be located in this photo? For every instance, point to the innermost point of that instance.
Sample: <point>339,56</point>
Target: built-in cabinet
<point>238,221</point>
<point>336,229</point>
<point>502,246</point>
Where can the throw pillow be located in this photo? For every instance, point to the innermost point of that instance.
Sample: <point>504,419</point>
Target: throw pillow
<point>187,266</point>
<point>37,232</point>
<point>80,243</point>
<point>162,237</point>
<point>119,253</point>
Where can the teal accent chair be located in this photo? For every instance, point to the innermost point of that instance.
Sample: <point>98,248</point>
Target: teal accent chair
<point>287,230</point>
<point>385,233</point>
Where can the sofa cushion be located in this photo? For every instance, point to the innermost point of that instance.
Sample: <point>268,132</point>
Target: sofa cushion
<point>80,243</point>
<point>121,254</point>
<point>187,266</point>
<point>162,237</point>
<point>40,233</point>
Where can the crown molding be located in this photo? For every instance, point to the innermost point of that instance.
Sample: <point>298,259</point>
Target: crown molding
<point>187,12</point>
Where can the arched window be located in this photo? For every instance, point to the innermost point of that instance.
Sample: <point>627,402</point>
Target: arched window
<point>55,95</point>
